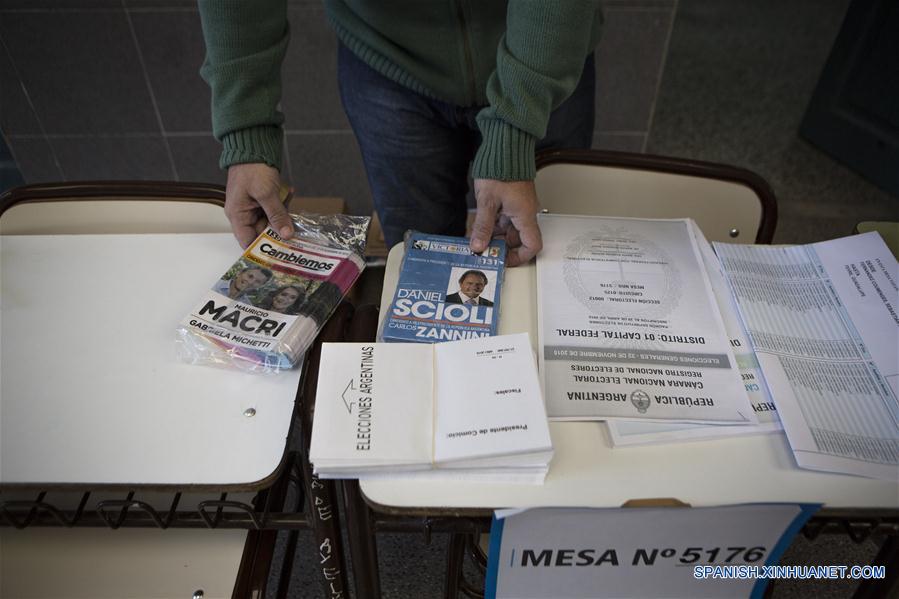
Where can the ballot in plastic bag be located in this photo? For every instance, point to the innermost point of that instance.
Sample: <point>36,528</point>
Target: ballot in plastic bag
<point>264,312</point>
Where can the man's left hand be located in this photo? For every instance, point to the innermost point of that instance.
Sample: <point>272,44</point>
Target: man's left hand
<point>509,209</point>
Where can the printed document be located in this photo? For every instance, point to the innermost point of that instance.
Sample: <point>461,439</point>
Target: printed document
<point>823,320</point>
<point>629,327</point>
<point>386,408</point>
<point>636,432</point>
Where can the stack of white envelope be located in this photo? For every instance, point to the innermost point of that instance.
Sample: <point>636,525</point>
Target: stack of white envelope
<point>467,409</point>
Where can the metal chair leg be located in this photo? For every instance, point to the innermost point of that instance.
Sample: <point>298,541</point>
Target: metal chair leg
<point>323,512</point>
<point>361,539</point>
<point>887,556</point>
<point>455,554</point>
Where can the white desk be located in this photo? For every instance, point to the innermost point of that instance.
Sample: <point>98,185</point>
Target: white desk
<point>98,563</point>
<point>91,390</point>
<point>586,471</point>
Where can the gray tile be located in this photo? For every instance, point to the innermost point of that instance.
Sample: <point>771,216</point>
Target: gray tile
<point>192,4</point>
<point>5,154</point>
<point>310,99</point>
<point>161,4</point>
<point>88,80</point>
<point>34,156</point>
<point>60,4</point>
<point>113,158</point>
<point>330,165</point>
<point>197,157</point>
<point>817,197</point>
<point>619,142</point>
<point>16,116</point>
<point>740,72</point>
<point>629,60</point>
<point>737,81</point>
<point>634,4</point>
<point>10,177</point>
<point>171,43</point>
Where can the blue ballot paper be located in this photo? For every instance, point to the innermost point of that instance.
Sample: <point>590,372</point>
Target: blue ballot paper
<point>445,292</point>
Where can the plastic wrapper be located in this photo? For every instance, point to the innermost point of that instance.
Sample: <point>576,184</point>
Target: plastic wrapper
<point>266,310</point>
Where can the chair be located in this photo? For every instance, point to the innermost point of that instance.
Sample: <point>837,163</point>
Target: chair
<point>728,203</point>
<point>236,558</point>
<point>126,207</point>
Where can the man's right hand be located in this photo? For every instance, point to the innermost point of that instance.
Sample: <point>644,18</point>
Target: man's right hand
<point>252,202</point>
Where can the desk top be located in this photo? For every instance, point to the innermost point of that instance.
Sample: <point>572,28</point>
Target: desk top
<point>587,472</point>
<point>91,390</point>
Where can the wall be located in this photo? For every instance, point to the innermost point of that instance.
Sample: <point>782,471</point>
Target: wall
<point>109,89</point>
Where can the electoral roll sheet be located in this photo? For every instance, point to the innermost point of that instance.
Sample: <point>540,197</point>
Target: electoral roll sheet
<point>823,321</point>
<point>629,327</point>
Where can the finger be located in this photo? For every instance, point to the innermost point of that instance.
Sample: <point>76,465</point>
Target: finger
<point>513,258</point>
<point>530,238</point>
<point>260,226</point>
<point>513,239</point>
<point>502,224</point>
<point>505,229</point>
<point>276,213</point>
<point>482,228</point>
<point>245,234</point>
<point>243,222</point>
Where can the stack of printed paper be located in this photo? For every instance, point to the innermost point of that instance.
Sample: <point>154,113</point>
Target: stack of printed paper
<point>823,321</point>
<point>629,327</point>
<point>636,432</point>
<point>467,408</point>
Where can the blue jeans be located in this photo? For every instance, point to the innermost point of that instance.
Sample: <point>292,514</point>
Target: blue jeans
<point>417,150</point>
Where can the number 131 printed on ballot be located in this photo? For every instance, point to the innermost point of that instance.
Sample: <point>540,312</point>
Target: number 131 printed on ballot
<point>629,327</point>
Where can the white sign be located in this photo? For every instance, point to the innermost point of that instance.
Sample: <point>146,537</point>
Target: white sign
<point>639,552</point>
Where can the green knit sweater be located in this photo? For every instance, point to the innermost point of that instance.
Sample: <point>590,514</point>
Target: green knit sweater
<point>518,59</point>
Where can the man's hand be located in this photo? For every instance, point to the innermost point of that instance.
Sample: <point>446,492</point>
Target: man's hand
<point>507,208</point>
<point>251,199</point>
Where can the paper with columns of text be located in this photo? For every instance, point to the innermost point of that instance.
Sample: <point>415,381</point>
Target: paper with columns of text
<point>823,321</point>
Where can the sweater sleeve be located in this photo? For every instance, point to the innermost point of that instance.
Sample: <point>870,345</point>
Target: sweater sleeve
<point>538,63</point>
<point>245,45</point>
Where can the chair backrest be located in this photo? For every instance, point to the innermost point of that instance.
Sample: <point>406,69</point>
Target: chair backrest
<point>113,207</point>
<point>728,204</point>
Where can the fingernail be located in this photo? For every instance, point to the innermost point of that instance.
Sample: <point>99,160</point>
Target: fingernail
<point>286,232</point>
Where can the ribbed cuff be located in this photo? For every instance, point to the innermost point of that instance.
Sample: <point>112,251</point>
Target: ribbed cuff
<point>254,144</point>
<point>506,154</point>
